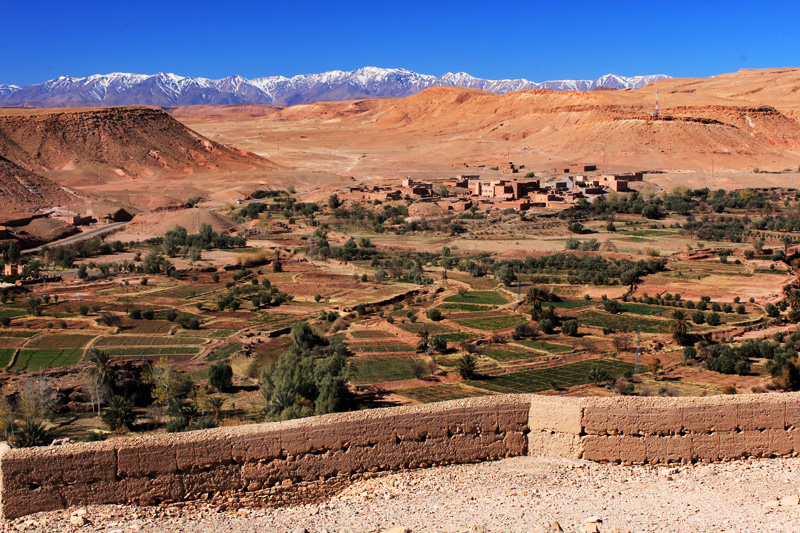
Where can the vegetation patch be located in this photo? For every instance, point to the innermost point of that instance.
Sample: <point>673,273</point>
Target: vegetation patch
<point>508,352</point>
<point>370,334</point>
<point>383,369</point>
<point>5,356</point>
<point>477,297</point>
<point>492,323</point>
<point>225,351</point>
<point>542,379</point>
<point>599,319</point>
<point>551,347</point>
<point>380,347</point>
<point>440,393</point>
<point>127,340</point>
<point>168,350</point>
<point>464,307</point>
<point>46,342</point>
<point>38,359</point>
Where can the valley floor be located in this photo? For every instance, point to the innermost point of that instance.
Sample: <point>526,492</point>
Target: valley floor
<point>522,494</point>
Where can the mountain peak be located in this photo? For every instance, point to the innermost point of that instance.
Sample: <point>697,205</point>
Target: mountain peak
<point>168,89</point>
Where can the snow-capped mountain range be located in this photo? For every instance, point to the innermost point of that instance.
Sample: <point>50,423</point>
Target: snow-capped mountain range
<point>167,90</point>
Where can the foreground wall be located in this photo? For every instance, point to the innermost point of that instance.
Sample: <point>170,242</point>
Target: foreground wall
<point>666,430</point>
<point>173,467</point>
<point>330,450</point>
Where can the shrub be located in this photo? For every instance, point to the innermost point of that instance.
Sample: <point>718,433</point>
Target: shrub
<point>171,315</point>
<point>143,281</point>
<point>135,314</point>
<point>220,376</point>
<point>570,327</point>
<point>698,317</point>
<point>434,314</point>
<point>547,326</point>
<point>83,310</point>
<point>32,433</point>
<point>598,375</point>
<point>612,306</point>
<point>439,344</point>
<point>5,321</point>
<point>713,319</point>
<point>148,314</point>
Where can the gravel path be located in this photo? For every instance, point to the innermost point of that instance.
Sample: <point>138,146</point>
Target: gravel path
<point>523,494</point>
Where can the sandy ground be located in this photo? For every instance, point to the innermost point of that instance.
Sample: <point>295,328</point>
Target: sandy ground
<point>519,494</point>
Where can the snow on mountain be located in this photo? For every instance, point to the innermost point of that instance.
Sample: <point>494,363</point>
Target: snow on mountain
<point>8,89</point>
<point>165,89</point>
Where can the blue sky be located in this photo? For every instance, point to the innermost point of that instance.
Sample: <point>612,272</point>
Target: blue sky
<point>40,40</point>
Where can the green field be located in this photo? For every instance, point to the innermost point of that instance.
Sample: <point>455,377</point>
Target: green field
<point>225,351</point>
<point>433,329</point>
<point>17,333</point>
<point>643,309</point>
<point>60,341</point>
<point>477,297</point>
<point>370,334</point>
<point>602,320</point>
<point>543,346</point>
<point>570,304</point>
<point>458,336</point>
<point>12,313</point>
<point>168,350</point>
<point>38,359</point>
<point>464,307</point>
<point>383,369</point>
<point>440,393</point>
<point>148,341</point>
<point>492,323</point>
<point>5,356</point>
<point>508,352</point>
<point>380,347</point>
<point>221,333</point>
<point>543,379</point>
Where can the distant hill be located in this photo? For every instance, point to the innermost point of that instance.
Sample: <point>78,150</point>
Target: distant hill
<point>167,90</point>
<point>114,143</point>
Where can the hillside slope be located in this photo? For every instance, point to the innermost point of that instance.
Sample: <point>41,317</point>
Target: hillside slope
<point>114,143</point>
<point>23,190</point>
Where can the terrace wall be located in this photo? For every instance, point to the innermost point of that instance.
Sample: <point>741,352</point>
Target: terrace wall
<point>333,449</point>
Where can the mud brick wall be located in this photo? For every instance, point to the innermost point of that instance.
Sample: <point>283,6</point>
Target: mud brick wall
<point>173,467</point>
<point>332,449</point>
<point>666,430</point>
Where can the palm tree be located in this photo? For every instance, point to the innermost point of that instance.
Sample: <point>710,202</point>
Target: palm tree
<point>103,369</point>
<point>119,414</point>
<point>679,325</point>
<point>423,343</point>
<point>215,402</point>
<point>794,299</point>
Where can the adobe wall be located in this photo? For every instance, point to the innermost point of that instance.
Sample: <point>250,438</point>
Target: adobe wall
<point>665,430</point>
<point>330,450</point>
<point>172,467</point>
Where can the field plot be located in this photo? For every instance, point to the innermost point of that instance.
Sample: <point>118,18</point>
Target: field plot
<point>543,346</point>
<point>508,352</point>
<point>542,379</point>
<point>371,334</point>
<point>5,356</point>
<point>570,304</point>
<point>59,341</point>
<point>12,342</point>
<point>130,340</point>
<point>379,370</point>
<point>464,307</point>
<point>628,322</point>
<point>433,328</point>
<point>440,393</point>
<point>38,359</point>
<point>167,350</point>
<point>225,351</point>
<point>644,309</point>
<point>721,281</point>
<point>477,297</point>
<point>383,346</point>
<point>186,291</point>
<point>492,323</point>
<point>147,326</point>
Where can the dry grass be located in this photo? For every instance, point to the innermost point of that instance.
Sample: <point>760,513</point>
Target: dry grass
<point>254,258</point>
